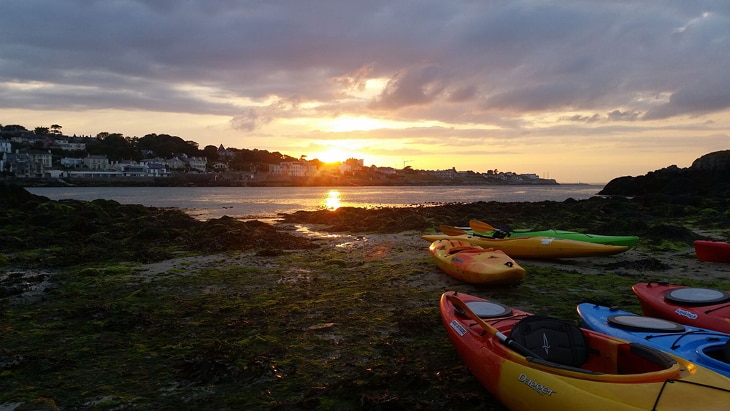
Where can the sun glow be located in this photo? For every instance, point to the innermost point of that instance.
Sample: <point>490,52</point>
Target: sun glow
<point>332,201</point>
<point>337,151</point>
<point>331,155</point>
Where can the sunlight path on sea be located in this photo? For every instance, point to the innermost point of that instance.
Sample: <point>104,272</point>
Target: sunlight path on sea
<point>267,202</point>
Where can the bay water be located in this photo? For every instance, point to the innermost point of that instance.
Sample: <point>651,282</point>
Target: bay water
<point>267,202</point>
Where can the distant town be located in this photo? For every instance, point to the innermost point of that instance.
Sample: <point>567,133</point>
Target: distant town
<point>45,156</point>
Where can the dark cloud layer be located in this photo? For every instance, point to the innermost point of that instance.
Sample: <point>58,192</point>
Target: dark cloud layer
<point>450,61</point>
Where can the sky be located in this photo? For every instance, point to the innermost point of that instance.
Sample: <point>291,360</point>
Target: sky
<point>573,90</point>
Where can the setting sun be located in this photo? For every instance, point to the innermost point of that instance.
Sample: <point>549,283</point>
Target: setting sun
<point>331,155</point>
<point>334,151</point>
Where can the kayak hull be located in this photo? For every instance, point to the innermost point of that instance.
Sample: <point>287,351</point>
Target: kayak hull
<point>712,251</point>
<point>656,300</point>
<point>536,247</point>
<point>620,240</point>
<point>473,264</point>
<point>523,383</point>
<point>704,347</point>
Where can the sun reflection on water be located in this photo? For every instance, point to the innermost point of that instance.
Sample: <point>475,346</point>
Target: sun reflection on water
<point>332,202</point>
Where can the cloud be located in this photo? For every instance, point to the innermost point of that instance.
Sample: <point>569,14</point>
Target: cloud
<point>697,99</point>
<point>453,62</point>
<point>612,116</point>
<point>412,86</point>
<point>253,118</point>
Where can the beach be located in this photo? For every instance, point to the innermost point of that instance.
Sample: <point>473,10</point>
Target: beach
<point>316,310</point>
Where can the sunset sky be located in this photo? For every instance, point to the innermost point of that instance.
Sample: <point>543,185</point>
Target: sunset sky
<point>579,91</point>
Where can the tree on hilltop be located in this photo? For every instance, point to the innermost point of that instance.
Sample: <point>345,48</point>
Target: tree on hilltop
<point>13,128</point>
<point>167,146</point>
<point>210,153</point>
<point>114,146</point>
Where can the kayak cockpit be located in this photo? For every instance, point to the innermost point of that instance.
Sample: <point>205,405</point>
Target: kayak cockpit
<point>564,346</point>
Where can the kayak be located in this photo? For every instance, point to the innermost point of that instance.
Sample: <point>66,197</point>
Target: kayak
<point>473,264</point>
<point>707,348</point>
<point>622,240</point>
<point>698,307</point>
<point>532,362</point>
<point>627,240</point>
<point>712,251</point>
<point>535,247</point>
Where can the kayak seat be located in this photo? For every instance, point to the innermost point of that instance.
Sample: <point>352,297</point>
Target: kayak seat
<point>552,339</point>
<point>500,233</point>
<point>465,248</point>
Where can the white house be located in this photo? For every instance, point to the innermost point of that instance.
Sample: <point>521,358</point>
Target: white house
<point>5,148</point>
<point>156,170</point>
<point>293,169</point>
<point>198,163</point>
<point>68,146</point>
<point>175,163</point>
<point>72,162</point>
<point>96,162</point>
<point>44,157</point>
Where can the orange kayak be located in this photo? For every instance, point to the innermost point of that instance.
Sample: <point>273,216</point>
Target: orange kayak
<point>473,264</point>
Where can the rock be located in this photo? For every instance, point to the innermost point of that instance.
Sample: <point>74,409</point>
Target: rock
<point>717,161</point>
<point>13,195</point>
<point>706,178</point>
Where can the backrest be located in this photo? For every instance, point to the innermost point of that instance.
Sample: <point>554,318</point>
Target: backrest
<point>552,339</point>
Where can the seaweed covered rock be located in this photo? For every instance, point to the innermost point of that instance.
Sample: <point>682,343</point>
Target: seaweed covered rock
<point>39,232</point>
<point>12,195</point>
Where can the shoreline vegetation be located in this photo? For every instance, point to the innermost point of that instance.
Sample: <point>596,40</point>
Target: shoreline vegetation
<point>237,179</point>
<point>111,306</point>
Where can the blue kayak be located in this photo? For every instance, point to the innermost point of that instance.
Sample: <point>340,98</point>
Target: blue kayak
<point>707,348</point>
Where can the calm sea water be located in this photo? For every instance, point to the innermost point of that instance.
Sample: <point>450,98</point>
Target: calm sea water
<point>266,202</point>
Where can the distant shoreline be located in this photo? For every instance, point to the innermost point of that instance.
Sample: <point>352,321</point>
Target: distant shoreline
<point>209,182</point>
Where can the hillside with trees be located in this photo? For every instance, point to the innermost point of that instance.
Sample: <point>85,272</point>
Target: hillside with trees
<point>50,157</point>
<point>118,147</point>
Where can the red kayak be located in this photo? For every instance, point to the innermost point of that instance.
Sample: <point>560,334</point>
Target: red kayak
<point>712,251</point>
<point>697,307</point>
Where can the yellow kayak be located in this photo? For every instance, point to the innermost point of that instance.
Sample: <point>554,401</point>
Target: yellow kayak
<point>536,247</point>
<point>473,264</point>
<point>541,363</point>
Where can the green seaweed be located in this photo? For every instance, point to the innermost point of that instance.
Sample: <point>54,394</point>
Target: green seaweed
<point>276,322</point>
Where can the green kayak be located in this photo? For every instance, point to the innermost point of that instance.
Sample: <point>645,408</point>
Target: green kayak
<point>481,229</point>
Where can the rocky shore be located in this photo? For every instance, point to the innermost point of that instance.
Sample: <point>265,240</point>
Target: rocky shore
<point>110,306</point>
